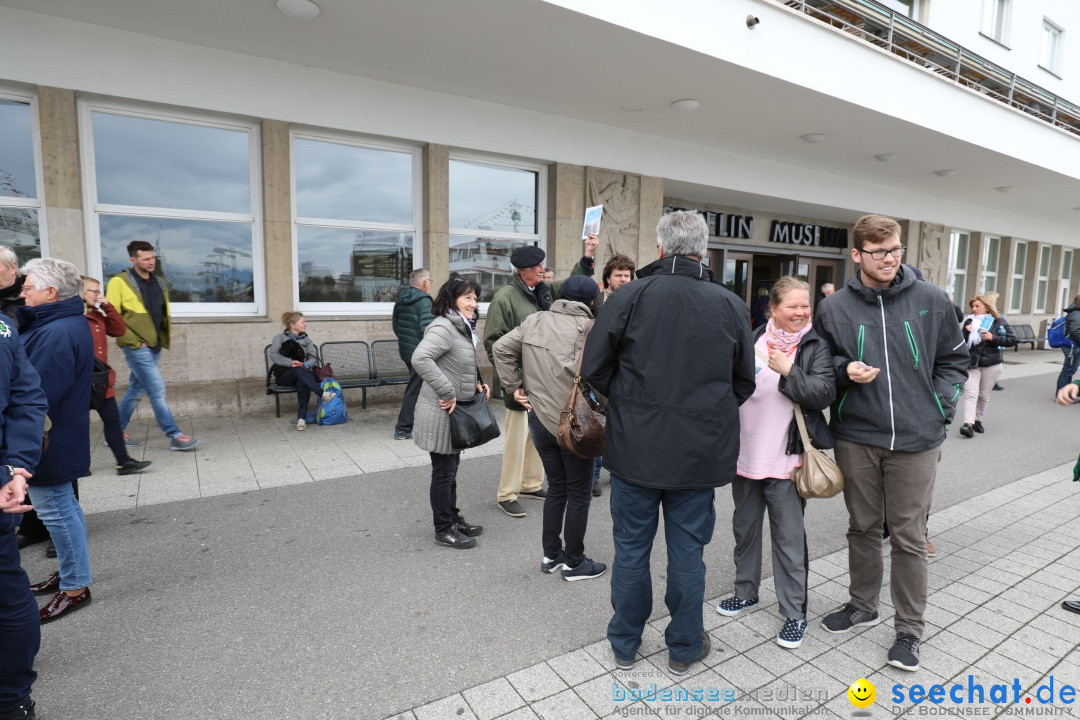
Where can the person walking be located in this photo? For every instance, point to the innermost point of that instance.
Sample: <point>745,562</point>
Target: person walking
<point>446,360</point>
<point>142,299</point>
<point>900,364</point>
<point>412,315</point>
<point>547,347</point>
<point>794,365</point>
<point>1072,352</point>
<point>986,332</point>
<point>672,353</point>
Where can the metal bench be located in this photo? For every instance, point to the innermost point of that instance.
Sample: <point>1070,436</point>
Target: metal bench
<point>1024,334</point>
<point>351,360</point>
<point>386,364</point>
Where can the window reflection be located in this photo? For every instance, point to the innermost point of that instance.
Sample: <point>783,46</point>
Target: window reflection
<point>19,231</point>
<point>346,265</point>
<point>345,182</point>
<point>17,177</point>
<point>203,261</point>
<point>488,197</point>
<point>485,260</point>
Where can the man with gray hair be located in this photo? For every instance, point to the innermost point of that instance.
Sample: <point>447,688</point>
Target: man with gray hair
<point>59,345</point>
<point>673,354</point>
<point>412,315</point>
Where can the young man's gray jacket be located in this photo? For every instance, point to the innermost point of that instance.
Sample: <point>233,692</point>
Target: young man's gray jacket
<point>909,331</point>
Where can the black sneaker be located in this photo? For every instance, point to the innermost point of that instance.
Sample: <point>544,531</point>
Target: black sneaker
<point>540,494</point>
<point>585,570</point>
<point>596,491</point>
<point>27,540</point>
<point>978,426</point>
<point>402,435</point>
<point>50,550</point>
<point>849,617</point>
<point>967,431</point>
<point>681,668</point>
<point>905,652</point>
<point>131,466</point>
<point>550,565</point>
<point>452,538</point>
<point>512,508</point>
<point>732,606</point>
<point>25,711</point>
<point>463,527</point>
<point>624,664</point>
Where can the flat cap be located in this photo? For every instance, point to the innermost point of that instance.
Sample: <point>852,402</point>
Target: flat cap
<point>527,257</point>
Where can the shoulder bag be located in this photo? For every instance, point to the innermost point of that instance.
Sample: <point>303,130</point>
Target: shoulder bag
<point>583,419</point>
<point>818,476</point>
<point>472,423</point>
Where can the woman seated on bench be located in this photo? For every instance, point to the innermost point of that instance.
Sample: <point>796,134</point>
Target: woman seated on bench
<point>294,360</point>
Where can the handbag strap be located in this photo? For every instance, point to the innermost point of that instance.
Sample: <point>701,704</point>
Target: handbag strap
<point>802,427</point>
<point>581,355</point>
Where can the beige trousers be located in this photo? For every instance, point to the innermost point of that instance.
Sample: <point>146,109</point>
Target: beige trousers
<point>522,470</point>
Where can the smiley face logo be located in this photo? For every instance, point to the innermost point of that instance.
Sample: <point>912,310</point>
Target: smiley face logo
<point>862,693</point>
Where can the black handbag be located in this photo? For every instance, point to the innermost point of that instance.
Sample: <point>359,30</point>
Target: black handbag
<point>99,387</point>
<point>472,423</point>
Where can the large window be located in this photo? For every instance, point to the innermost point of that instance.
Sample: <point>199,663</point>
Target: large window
<point>1016,290</point>
<point>991,248</point>
<point>188,186</point>
<point>494,208</point>
<point>356,221</point>
<point>995,20</point>
<point>1050,49</point>
<point>1043,282</point>
<point>958,262</point>
<point>21,218</point>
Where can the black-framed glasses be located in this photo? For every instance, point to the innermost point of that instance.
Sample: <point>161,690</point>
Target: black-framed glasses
<point>896,252</point>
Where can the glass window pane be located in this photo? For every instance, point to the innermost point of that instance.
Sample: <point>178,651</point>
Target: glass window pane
<point>19,231</point>
<point>338,265</point>
<point>1044,262</point>
<point>1020,260</point>
<point>158,163</point>
<point>1016,294</point>
<point>1066,265</point>
<point>343,182</point>
<point>497,199</point>
<point>485,260</point>
<point>990,283</point>
<point>17,177</point>
<point>990,254</point>
<point>202,261</point>
<point>1040,300</point>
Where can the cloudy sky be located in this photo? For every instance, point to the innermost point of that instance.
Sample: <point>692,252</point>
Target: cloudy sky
<point>16,149</point>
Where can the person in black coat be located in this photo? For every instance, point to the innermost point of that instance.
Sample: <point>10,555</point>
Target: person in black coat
<point>673,355</point>
<point>986,331</point>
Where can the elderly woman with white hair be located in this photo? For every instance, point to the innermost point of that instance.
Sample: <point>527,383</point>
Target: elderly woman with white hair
<point>59,345</point>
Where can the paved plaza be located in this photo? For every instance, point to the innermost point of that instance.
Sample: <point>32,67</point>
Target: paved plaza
<point>282,574</point>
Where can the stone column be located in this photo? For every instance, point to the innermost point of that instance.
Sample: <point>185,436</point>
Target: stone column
<point>931,253</point>
<point>59,124</point>
<point>436,213</point>
<point>566,213</point>
<point>277,218</point>
<point>650,211</point>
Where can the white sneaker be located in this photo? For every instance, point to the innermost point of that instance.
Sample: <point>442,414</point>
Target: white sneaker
<point>301,424</point>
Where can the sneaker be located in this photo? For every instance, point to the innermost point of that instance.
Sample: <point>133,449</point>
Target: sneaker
<point>540,494</point>
<point>466,529</point>
<point>402,435</point>
<point>550,565</point>
<point>732,606</point>
<point>792,634</point>
<point>849,617</point>
<point>978,426</point>
<point>23,711</point>
<point>967,430</point>
<point>301,424</point>
<point>50,550</point>
<point>452,538</point>
<point>130,441</point>
<point>182,443</point>
<point>623,664</point>
<point>596,491</point>
<point>681,668</point>
<point>585,570</point>
<point>131,466</point>
<point>905,652</point>
<point>512,508</point>
<point>931,551</point>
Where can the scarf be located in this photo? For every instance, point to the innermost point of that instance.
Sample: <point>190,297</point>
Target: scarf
<point>470,324</point>
<point>783,340</point>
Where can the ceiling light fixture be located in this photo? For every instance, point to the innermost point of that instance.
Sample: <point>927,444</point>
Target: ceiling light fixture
<point>885,157</point>
<point>944,173</point>
<point>813,137</point>
<point>298,9</point>
<point>1005,188</point>
<point>686,105</point>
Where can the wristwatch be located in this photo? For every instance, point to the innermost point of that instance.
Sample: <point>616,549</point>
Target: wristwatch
<point>10,472</point>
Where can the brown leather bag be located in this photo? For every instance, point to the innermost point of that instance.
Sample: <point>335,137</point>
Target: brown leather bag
<point>583,419</point>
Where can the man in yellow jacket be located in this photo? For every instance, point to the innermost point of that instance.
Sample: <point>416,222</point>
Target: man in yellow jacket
<point>142,298</point>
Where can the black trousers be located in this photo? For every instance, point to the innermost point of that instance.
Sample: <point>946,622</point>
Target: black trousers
<point>566,508</point>
<point>114,434</point>
<point>20,630</point>
<point>305,383</point>
<point>408,403</point>
<point>444,508</point>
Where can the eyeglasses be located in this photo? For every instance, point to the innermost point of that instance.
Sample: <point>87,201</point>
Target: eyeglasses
<point>896,252</point>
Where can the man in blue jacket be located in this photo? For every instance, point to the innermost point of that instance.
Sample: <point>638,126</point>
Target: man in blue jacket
<point>58,343</point>
<point>412,315</point>
<point>23,406</point>
<point>900,364</point>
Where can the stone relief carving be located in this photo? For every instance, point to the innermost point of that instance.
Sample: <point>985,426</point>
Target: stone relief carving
<point>933,257</point>
<point>620,194</point>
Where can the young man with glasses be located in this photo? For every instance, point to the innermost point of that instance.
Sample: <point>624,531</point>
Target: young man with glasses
<point>900,363</point>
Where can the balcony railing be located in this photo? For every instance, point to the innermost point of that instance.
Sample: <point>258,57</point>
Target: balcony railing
<point>918,44</point>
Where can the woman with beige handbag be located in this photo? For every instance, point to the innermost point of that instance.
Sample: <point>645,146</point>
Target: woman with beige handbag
<point>793,366</point>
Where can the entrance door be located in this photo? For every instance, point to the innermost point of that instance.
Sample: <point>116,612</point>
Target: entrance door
<point>737,268</point>
<point>822,271</point>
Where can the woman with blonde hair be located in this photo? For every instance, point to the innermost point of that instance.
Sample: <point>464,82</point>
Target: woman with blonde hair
<point>296,365</point>
<point>985,331</point>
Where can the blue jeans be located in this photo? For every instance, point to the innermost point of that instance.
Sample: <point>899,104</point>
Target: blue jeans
<point>146,380</point>
<point>1068,368</point>
<point>20,629</point>
<point>689,519</point>
<point>58,508</point>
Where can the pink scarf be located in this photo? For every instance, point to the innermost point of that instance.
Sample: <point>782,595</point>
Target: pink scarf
<point>783,340</point>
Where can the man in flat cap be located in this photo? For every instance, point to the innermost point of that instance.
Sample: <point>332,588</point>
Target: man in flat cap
<point>522,474</point>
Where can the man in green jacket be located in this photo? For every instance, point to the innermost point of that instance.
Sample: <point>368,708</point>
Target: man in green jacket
<point>142,298</point>
<point>412,315</point>
<point>522,473</point>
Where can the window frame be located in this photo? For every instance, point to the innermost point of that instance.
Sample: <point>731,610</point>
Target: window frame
<point>539,238</point>
<point>995,25</point>
<point>1051,62</point>
<point>955,271</point>
<point>1042,282</point>
<point>37,203</point>
<point>1016,299</point>
<point>92,209</point>
<point>986,255</point>
<point>355,309</point>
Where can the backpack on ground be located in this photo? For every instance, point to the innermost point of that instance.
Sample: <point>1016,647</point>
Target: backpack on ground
<point>332,406</point>
<point>1055,334</point>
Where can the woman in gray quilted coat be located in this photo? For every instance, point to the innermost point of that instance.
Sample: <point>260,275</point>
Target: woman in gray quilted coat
<point>446,361</point>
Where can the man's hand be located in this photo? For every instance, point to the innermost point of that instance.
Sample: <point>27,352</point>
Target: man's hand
<point>13,492</point>
<point>861,372</point>
<point>1067,394</point>
<point>591,244</point>
<point>522,398</point>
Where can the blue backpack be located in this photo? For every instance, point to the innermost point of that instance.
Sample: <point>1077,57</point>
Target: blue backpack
<point>332,411</point>
<point>1055,334</point>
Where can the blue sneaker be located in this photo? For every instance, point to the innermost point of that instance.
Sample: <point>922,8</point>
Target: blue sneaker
<point>550,565</point>
<point>182,443</point>
<point>585,570</point>
<point>402,435</point>
<point>792,634</point>
<point>732,606</point>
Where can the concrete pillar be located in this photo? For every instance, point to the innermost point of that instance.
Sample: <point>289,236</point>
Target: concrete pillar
<point>652,207</point>
<point>59,125</point>
<point>277,218</point>
<point>566,213</point>
<point>436,213</point>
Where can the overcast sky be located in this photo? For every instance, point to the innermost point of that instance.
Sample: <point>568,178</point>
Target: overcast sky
<point>16,149</point>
